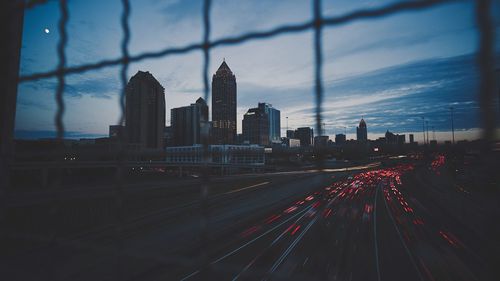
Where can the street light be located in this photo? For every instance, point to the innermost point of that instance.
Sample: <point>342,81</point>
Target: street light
<point>427,129</point>
<point>423,128</point>
<point>452,126</point>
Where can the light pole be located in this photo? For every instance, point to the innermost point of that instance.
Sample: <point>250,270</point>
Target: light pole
<point>423,128</point>
<point>452,126</point>
<point>427,130</point>
<point>287,124</point>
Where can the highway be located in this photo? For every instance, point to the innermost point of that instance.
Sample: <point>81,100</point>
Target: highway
<point>368,223</point>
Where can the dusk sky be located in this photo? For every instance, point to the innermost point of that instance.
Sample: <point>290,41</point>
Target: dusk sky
<point>391,71</point>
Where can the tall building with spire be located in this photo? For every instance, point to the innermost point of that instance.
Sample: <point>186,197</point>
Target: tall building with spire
<point>223,106</point>
<point>145,111</point>
<point>361,131</point>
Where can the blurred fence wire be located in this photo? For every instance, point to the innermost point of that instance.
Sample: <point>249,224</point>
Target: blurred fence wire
<point>485,61</point>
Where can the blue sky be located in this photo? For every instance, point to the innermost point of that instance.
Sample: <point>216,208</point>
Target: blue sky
<point>391,71</point>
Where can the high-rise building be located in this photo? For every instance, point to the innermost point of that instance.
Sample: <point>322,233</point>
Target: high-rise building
<point>400,139</point>
<point>145,111</point>
<point>321,141</point>
<point>361,131</point>
<point>274,122</point>
<point>256,126</point>
<point>188,122</point>
<point>392,138</point>
<point>340,139</point>
<point>305,135</point>
<point>223,106</point>
<point>168,138</point>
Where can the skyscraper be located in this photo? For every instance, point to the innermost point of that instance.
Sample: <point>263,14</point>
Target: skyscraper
<point>274,120</point>
<point>305,135</point>
<point>223,105</point>
<point>187,123</point>
<point>145,111</point>
<point>361,131</point>
<point>340,139</point>
<point>256,126</point>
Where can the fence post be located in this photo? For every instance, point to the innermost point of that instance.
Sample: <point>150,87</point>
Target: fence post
<point>13,14</point>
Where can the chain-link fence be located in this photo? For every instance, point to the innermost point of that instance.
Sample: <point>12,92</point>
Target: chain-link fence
<point>485,61</point>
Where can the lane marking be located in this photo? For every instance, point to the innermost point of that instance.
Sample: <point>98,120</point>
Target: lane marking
<point>303,212</point>
<point>190,275</point>
<point>249,242</point>
<point>274,242</point>
<point>260,236</point>
<point>402,241</point>
<point>375,230</point>
<point>291,247</point>
<point>330,202</point>
<point>248,187</point>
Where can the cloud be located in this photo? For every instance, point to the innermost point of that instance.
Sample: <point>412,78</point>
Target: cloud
<point>41,134</point>
<point>393,98</point>
<point>103,87</point>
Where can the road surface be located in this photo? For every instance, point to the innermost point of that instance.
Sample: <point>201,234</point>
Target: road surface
<point>371,224</point>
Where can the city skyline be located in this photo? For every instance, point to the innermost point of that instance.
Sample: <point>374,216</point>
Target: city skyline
<point>250,139</point>
<point>375,70</point>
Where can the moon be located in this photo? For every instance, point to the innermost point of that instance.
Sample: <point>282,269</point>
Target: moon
<point>46,30</point>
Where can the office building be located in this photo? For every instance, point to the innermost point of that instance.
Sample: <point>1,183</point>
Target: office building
<point>145,111</point>
<point>223,106</point>
<point>256,126</point>
<point>392,138</point>
<point>168,137</point>
<point>340,139</point>
<point>321,141</point>
<point>274,121</point>
<point>290,142</point>
<point>305,135</point>
<point>401,139</point>
<point>217,154</point>
<point>187,123</point>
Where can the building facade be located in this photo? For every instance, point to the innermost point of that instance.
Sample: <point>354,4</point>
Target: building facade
<point>361,131</point>
<point>145,111</point>
<point>392,138</point>
<point>223,106</point>
<point>292,142</point>
<point>274,120</point>
<point>217,154</point>
<point>305,135</point>
<point>188,123</point>
<point>256,126</point>
<point>340,139</point>
<point>321,141</point>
